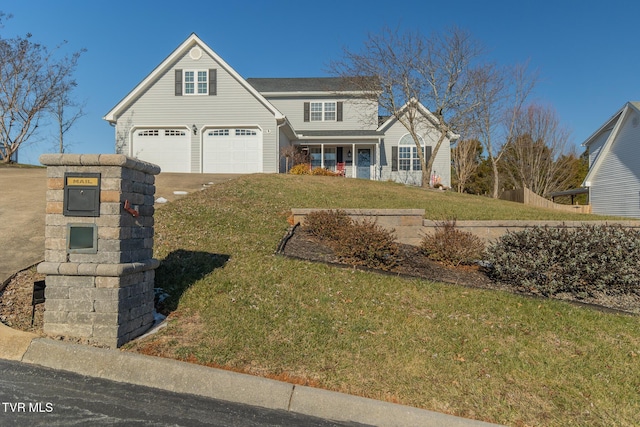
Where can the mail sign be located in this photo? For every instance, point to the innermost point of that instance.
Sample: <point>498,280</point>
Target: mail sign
<point>81,194</point>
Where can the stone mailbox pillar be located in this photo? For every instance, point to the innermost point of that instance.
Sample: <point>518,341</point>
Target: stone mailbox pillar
<point>99,261</point>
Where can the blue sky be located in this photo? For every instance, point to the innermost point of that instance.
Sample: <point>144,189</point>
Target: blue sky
<point>585,51</point>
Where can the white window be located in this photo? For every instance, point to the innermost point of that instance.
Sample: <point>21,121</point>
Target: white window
<point>322,112</point>
<point>330,158</point>
<point>150,132</point>
<point>408,159</point>
<point>196,82</point>
<point>245,132</point>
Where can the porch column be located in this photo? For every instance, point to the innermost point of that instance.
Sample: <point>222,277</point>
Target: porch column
<point>377,169</point>
<point>354,163</point>
<point>322,156</point>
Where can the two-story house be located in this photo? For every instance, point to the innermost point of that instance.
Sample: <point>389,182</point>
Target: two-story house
<point>194,113</point>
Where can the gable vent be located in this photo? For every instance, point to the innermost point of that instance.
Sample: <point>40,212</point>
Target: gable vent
<point>195,53</point>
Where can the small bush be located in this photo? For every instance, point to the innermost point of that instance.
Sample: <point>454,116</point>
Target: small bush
<point>300,169</point>
<point>328,225</point>
<point>322,172</point>
<point>584,261</point>
<point>369,245</point>
<point>452,246</point>
<point>357,243</point>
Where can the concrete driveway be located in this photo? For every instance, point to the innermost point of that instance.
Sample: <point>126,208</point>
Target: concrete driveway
<point>22,211</point>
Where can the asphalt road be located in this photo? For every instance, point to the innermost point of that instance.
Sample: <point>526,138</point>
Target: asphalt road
<point>36,396</point>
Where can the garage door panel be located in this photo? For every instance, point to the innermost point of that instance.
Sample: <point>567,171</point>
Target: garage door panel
<point>167,148</point>
<point>232,151</point>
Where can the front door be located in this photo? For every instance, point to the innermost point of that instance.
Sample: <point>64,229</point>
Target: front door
<point>363,170</point>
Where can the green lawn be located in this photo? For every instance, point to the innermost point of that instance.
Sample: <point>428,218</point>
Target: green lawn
<point>481,354</point>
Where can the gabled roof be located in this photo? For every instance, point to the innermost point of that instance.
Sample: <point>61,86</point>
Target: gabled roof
<point>180,51</point>
<point>309,85</point>
<point>423,110</point>
<point>616,121</point>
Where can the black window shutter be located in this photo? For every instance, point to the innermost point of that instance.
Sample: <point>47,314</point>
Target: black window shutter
<point>394,159</point>
<point>213,81</point>
<point>339,111</point>
<point>178,83</point>
<point>427,154</point>
<point>306,111</point>
<point>339,155</point>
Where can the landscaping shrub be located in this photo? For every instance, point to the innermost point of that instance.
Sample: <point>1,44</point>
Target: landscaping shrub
<point>369,245</point>
<point>328,225</point>
<point>582,261</point>
<point>300,169</point>
<point>451,246</point>
<point>358,243</point>
<point>322,172</point>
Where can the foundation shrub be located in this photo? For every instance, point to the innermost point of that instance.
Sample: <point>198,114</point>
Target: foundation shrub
<point>585,261</point>
<point>451,246</point>
<point>322,172</point>
<point>300,169</point>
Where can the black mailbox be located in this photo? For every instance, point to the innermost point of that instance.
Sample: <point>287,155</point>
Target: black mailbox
<point>81,194</point>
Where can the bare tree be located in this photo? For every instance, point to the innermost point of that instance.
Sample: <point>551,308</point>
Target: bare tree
<point>411,70</point>
<point>465,159</point>
<point>499,96</point>
<point>65,112</point>
<point>31,79</point>
<point>535,158</point>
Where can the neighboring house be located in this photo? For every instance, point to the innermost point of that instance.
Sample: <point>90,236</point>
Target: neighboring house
<point>614,166</point>
<point>194,113</point>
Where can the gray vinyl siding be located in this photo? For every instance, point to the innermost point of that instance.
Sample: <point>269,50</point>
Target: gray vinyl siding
<point>441,165</point>
<point>232,106</point>
<point>615,189</point>
<point>356,114</point>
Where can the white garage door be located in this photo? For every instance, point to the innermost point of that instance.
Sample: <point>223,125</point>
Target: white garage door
<point>232,150</point>
<point>167,148</point>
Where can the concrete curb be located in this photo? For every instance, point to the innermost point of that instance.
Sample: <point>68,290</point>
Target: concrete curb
<point>14,344</point>
<point>182,377</point>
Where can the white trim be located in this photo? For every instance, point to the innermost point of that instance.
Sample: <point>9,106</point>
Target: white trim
<point>425,112</point>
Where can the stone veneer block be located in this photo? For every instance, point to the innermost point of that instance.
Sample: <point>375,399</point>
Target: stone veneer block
<point>104,297</point>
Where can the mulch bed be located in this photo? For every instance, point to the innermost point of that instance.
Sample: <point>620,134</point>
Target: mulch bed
<point>301,245</point>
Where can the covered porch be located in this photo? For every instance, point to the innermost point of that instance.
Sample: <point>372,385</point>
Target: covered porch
<point>349,155</point>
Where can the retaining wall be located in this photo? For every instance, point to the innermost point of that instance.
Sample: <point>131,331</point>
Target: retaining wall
<point>410,226</point>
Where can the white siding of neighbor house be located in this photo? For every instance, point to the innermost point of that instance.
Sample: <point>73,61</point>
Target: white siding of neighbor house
<point>233,106</point>
<point>596,145</point>
<point>615,188</point>
<point>441,165</point>
<point>356,114</point>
